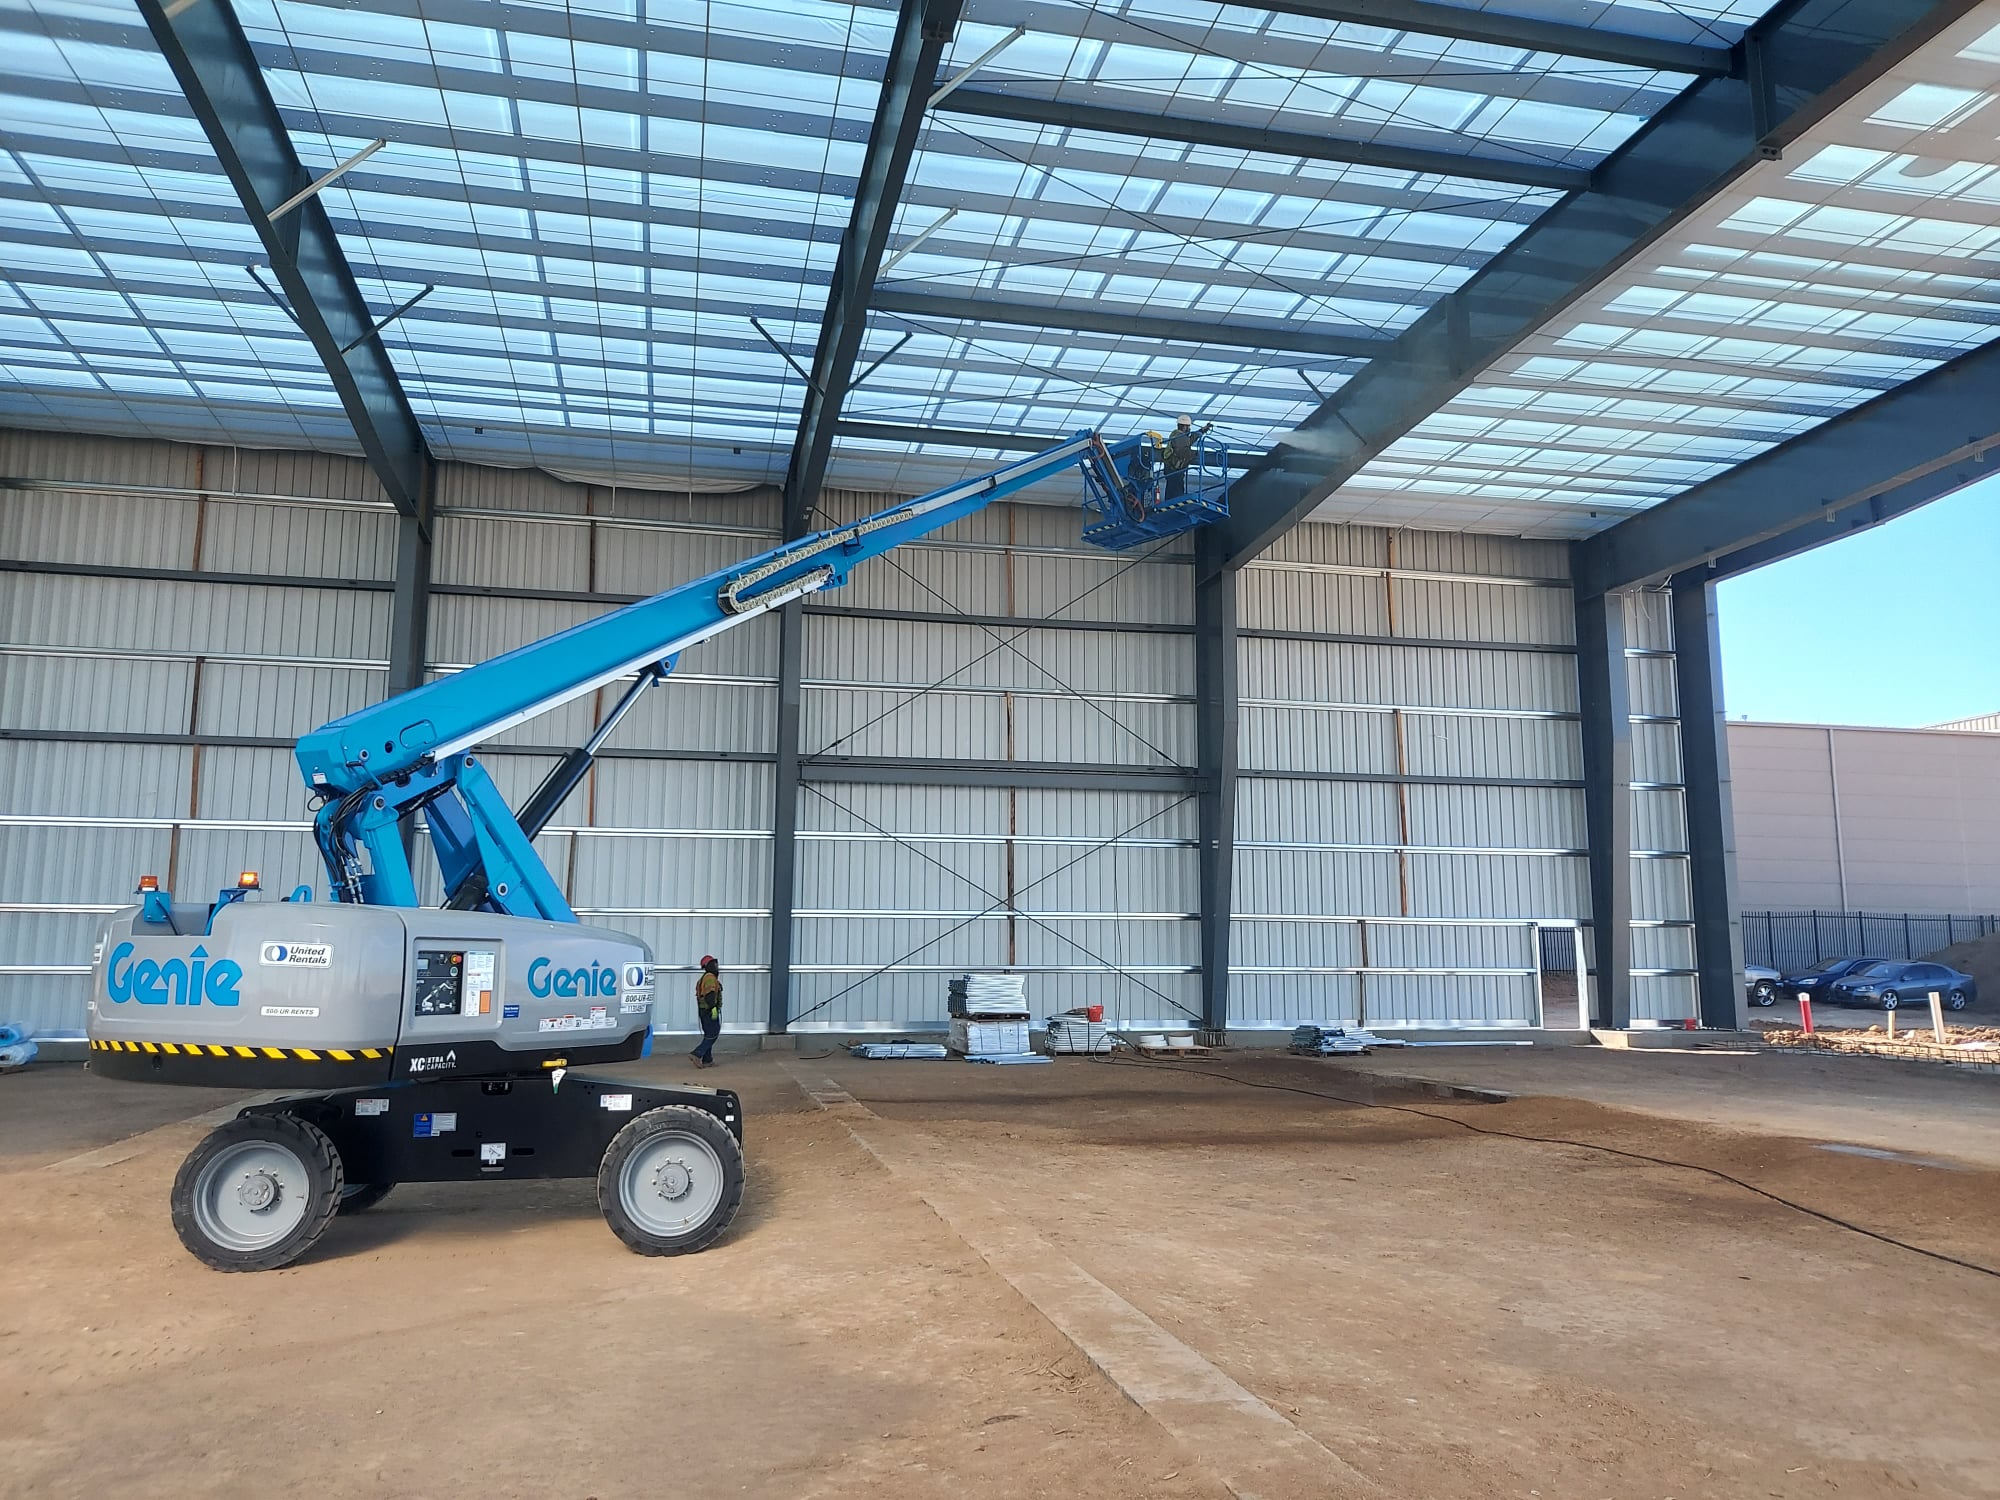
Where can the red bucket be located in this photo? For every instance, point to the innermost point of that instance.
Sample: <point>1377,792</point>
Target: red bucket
<point>1093,1012</point>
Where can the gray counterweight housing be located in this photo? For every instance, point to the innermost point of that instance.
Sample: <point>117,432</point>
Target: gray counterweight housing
<point>282,994</point>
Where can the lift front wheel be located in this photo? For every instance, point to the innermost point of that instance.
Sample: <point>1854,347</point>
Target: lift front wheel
<point>671,1181</point>
<point>257,1193</point>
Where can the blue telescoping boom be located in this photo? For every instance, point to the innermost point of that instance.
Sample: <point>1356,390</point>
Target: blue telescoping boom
<point>375,767</point>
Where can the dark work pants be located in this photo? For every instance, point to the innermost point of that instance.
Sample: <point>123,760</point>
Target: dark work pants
<point>711,1028</point>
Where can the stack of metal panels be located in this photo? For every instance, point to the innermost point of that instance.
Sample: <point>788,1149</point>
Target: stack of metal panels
<point>1002,996</point>
<point>929,1051</point>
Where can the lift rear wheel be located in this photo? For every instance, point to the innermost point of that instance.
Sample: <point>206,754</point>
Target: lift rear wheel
<point>358,1197</point>
<point>671,1181</point>
<point>256,1193</point>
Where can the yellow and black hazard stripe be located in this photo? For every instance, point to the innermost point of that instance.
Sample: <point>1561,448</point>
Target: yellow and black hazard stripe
<point>253,1067</point>
<point>273,1054</point>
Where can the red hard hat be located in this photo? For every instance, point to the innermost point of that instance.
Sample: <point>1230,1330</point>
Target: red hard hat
<point>707,959</point>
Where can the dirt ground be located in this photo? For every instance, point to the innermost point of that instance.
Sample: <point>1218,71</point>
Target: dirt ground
<point>1450,1313</point>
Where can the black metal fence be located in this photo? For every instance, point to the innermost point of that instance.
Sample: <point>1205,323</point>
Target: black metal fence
<point>1793,940</point>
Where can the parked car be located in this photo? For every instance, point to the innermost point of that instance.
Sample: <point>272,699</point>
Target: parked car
<point>1761,985</point>
<point>1816,982</point>
<point>1887,984</point>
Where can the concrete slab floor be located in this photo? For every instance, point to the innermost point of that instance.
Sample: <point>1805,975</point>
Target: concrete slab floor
<point>1447,1314</point>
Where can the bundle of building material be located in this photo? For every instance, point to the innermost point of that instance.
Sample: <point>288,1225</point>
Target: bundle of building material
<point>989,1038</point>
<point>1337,1041</point>
<point>930,1051</point>
<point>1011,1057</point>
<point>995,995</point>
<point>1077,1034</point>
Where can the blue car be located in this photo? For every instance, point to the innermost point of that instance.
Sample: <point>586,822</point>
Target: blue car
<point>1815,982</point>
<point>1886,983</point>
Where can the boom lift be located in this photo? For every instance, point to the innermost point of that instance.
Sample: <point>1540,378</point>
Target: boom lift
<point>434,1044</point>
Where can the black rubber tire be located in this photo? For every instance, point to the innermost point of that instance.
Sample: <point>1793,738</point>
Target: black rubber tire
<point>324,1178</point>
<point>1890,999</point>
<point>359,1197</point>
<point>1766,993</point>
<point>1955,1000</point>
<point>679,1119</point>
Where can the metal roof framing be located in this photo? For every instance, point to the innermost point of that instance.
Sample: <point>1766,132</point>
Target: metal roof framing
<point>924,29</point>
<point>1802,60</point>
<point>1028,109</point>
<point>1891,455</point>
<point>212,61</point>
<point>1194,331</point>
<point>1497,28</point>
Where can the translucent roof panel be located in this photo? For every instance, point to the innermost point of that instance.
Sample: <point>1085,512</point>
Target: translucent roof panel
<point>603,197</point>
<point>125,303</point>
<point>1266,250</point>
<point>1862,260</point>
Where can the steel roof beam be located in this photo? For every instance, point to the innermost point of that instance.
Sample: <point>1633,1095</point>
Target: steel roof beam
<point>1029,110</point>
<point>945,437</point>
<point>1894,453</point>
<point>923,31</point>
<point>211,59</point>
<point>1499,29</point>
<point>1810,55</point>
<point>1097,317</point>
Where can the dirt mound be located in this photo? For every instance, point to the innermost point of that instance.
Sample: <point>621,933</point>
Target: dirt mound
<point>1979,957</point>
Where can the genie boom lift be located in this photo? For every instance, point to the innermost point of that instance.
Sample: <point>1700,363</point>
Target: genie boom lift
<point>466,1041</point>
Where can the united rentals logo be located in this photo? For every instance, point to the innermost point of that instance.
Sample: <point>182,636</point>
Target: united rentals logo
<point>297,955</point>
<point>178,981</point>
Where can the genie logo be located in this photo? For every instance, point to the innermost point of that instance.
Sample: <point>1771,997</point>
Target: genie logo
<point>182,981</point>
<point>545,979</point>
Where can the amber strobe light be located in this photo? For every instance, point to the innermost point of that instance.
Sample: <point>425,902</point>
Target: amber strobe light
<point>149,882</point>
<point>247,881</point>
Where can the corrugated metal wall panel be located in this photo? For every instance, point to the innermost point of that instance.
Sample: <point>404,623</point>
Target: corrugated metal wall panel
<point>1303,599</point>
<point>52,939</point>
<point>47,778</point>
<point>490,553</point>
<point>919,653</point>
<point>1656,753</point>
<point>67,865</point>
<point>118,531</point>
<point>1316,812</point>
<point>1476,552</point>
<point>1450,1000</point>
<point>1496,817</point>
<point>101,460</point>
<point>234,619</point>
<point>257,471</point>
<point>644,560</point>
<point>1350,546</point>
<point>56,691</point>
<point>1449,610</point>
<point>1663,947</point>
<point>1652,682</point>
<point>1659,820</point>
<point>281,701</point>
<point>1660,997</point>
<point>1293,739</point>
<point>1649,620</point>
<point>1408,677</point>
<point>45,1004</point>
<point>1498,885</point>
<point>710,794</point>
<point>300,541</point>
<point>1266,1002</point>
<point>1306,882</point>
<point>1660,890</point>
<point>1500,749</point>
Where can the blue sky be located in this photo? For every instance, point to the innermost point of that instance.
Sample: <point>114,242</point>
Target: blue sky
<point>1897,626</point>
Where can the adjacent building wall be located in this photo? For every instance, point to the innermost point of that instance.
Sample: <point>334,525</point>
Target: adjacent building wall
<point>1833,818</point>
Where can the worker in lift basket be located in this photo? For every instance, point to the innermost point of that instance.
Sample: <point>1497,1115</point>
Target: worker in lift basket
<point>708,1007</point>
<point>1180,453</point>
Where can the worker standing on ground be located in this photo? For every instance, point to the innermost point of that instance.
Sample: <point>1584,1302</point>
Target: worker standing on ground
<point>1180,453</point>
<point>708,1008</point>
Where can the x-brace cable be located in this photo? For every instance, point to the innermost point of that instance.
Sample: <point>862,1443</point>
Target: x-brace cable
<point>999,902</point>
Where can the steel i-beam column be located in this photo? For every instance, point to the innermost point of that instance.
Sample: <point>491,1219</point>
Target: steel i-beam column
<point>1711,823</point>
<point>1215,738</point>
<point>1606,700</point>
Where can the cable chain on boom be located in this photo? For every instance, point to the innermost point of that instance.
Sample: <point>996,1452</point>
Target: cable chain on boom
<point>730,596</point>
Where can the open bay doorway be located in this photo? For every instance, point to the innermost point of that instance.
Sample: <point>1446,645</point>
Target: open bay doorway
<point>1565,1006</point>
